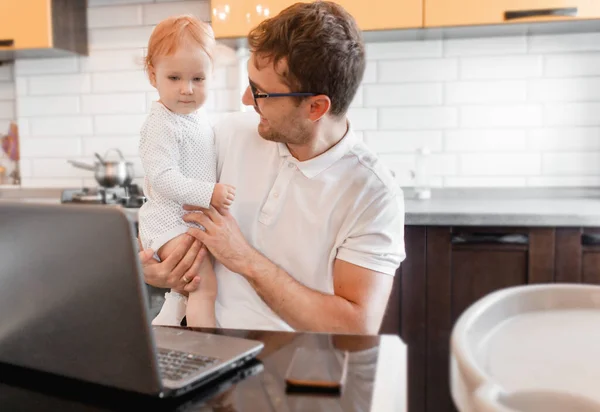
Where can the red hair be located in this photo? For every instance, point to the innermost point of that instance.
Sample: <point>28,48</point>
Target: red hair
<point>173,32</point>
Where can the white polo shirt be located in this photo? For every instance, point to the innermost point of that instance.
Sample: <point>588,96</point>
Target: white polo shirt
<point>342,204</point>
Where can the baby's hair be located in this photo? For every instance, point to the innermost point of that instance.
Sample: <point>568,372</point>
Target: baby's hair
<point>171,33</point>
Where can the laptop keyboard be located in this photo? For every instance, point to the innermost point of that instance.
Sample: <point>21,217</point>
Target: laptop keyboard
<point>176,365</point>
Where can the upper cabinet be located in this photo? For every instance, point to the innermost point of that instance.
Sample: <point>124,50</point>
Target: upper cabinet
<point>42,28</point>
<point>440,13</point>
<point>235,18</point>
<point>385,14</point>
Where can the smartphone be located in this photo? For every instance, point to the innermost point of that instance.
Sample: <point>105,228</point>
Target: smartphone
<point>320,370</point>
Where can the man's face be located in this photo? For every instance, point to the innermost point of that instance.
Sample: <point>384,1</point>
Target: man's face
<point>282,119</point>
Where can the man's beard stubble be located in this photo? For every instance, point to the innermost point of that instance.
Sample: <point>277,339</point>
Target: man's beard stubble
<point>296,135</point>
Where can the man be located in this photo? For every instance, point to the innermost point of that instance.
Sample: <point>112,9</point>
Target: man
<point>315,235</point>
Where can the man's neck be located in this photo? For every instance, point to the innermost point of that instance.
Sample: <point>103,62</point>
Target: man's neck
<point>326,137</point>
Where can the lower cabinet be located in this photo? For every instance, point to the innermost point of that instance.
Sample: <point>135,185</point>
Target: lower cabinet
<point>449,268</point>
<point>578,255</point>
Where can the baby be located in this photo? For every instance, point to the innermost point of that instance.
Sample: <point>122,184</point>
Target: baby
<point>177,151</point>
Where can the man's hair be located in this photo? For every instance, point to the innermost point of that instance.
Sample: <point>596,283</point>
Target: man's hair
<point>323,48</point>
<point>175,31</point>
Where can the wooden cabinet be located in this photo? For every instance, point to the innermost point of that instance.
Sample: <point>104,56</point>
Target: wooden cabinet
<point>235,18</point>
<point>25,23</point>
<point>35,28</point>
<point>463,265</point>
<point>482,262</point>
<point>590,256</point>
<point>449,268</point>
<point>578,255</point>
<point>385,14</point>
<point>476,12</point>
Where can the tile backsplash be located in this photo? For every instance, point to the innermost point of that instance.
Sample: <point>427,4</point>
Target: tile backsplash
<point>495,112</point>
<point>7,110</point>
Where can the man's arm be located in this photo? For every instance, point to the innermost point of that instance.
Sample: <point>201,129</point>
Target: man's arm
<point>360,295</point>
<point>357,307</point>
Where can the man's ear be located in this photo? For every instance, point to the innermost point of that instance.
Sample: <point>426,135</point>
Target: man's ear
<point>152,75</point>
<point>319,107</point>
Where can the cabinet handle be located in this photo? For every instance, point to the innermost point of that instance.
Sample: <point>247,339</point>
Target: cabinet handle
<point>490,238</point>
<point>522,14</point>
<point>7,42</point>
<point>590,239</point>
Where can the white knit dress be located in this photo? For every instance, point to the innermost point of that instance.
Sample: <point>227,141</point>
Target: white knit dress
<point>180,167</point>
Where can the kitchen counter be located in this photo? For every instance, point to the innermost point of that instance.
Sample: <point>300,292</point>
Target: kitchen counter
<point>577,207</point>
<point>48,196</point>
<point>506,207</point>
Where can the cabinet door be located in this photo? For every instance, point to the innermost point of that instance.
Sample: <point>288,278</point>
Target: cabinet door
<point>235,18</point>
<point>590,253</point>
<point>385,14</point>
<point>578,255</point>
<point>391,322</point>
<point>463,265</point>
<point>27,23</point>
<point>568,256</point>
<point>473,12</point>
<point>413,298</point>
<point>480,269</point>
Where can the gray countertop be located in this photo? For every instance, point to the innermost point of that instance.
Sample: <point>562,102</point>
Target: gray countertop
<point>540,207</point>
<point>502,207</point>
<point>48,196</point>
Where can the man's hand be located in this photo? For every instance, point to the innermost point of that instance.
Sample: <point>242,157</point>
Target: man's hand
<point>222,237</point>
<point>179,270</point>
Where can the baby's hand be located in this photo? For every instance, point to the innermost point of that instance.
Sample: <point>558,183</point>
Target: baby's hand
<point>223,196</point>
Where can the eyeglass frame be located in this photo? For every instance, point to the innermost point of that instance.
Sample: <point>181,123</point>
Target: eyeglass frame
<point>259,95</point>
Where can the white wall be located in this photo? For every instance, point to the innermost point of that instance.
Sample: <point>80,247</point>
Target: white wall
<point>508,111</point>
<point>7,109</point>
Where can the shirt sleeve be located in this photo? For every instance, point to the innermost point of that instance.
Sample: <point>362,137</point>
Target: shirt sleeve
<point>376,241</point>
<point>160,156</point>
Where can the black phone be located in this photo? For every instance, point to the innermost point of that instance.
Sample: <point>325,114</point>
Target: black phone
<point>317,370</point>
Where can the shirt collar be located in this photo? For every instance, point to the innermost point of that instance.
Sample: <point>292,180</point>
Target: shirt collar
<point>312,167</point>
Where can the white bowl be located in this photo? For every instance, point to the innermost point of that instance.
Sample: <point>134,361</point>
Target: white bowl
<point>528,348</point>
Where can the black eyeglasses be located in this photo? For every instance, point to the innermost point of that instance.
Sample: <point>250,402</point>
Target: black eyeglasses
<point>258,95</point>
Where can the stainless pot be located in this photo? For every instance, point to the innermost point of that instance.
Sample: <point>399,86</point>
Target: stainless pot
<point>109,173</point>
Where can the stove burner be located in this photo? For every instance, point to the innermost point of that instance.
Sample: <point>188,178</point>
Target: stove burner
<point>128,197</point>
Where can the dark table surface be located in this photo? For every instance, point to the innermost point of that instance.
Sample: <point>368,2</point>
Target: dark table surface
<point>376,381</point>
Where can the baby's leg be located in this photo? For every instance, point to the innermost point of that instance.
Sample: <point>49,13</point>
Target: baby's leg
<point>174,307</point>
<point>200,311</point>
<point>166,249</point>
<point>172,311</point>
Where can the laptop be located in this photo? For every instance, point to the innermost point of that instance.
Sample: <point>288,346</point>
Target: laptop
<point>74,303</point>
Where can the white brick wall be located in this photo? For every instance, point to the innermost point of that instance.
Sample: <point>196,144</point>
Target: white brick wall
<point>70,108</point>
<point>7,108</point>
<point>498,111</point>
<point>495,112</point>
